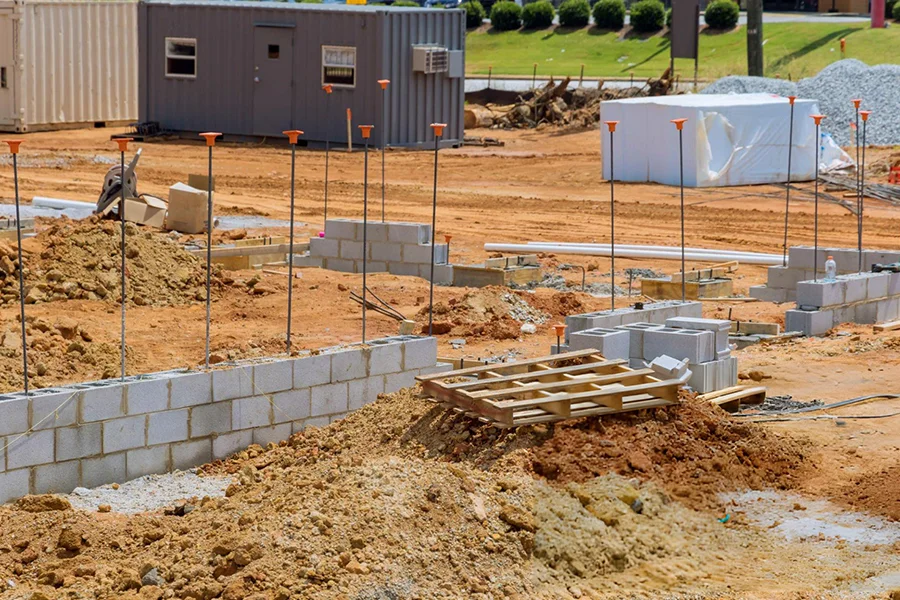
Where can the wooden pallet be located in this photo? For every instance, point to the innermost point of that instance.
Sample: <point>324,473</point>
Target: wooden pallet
<point>550,388</point>
<point>730,398</point>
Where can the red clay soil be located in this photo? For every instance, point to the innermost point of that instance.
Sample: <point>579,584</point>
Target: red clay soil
<point>875,492</point>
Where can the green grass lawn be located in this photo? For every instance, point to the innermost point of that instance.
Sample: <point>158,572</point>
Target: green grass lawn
<point>791,50</point>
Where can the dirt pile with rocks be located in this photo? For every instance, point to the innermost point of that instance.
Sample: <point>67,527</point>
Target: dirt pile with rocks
<point>401,499</point>
<point>81,260</point>
<point>59,350</point>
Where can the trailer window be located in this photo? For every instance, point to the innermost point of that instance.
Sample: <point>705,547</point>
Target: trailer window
<point>181,58</point>
<point>339,66</point>
<point>3,77</point>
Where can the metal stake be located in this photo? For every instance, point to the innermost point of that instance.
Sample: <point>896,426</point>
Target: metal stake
<point>210,142</point>
<point>14,150</point>
<point>679,124</point>
<point>328,89</point>
<point>366,133</point>
<point>534,76</point>
<point>384,132</point>
<point>123,146</point>
<point>787,201</point>
<point>438,132</point>
<point>292,134</point>
<point>612,217</point>
<point>490,72</point>
<point>818,120</point>
<point>862,181</point>
<point>856,103</point>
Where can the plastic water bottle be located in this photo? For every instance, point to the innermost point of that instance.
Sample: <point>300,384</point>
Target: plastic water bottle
<point>830,269</point>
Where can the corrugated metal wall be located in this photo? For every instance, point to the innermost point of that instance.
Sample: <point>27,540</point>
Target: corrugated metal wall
<point>221,97</point>
<point>80,62</point>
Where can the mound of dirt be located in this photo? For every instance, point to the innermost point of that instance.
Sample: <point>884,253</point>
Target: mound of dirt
<point>81,260</point>
<point>875,492</point>
<point>59,351</point>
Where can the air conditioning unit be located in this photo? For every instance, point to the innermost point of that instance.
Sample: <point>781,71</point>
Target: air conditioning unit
<point>430,59</point>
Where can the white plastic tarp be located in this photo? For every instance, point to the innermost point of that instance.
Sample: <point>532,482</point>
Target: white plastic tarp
<point>729,139</point>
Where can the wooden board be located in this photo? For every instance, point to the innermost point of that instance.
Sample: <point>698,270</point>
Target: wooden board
<point>890,326</point>
<point>550,388</point>
<point>751,328</point>
<point>731,398</point>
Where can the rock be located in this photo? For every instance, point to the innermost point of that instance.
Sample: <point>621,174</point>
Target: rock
<point>76,346</point>
<point>628,495</point>
<point>757,375</point>
<point>637,506</point>
<point>100,290</point>
<point>342,288</point>
<point>70,540</point>
<point>131,252</point>
<point>356,568</point>
<point>152,577</point>
<point>86,335</point>
<point>104,508</point>
<point>12,340</point>
<point>216,358</point>
<point>67,327</point>
<point>7,266</point>
<point>43,503</point>
<point>253,281</point>
<point>129,579</point>
<point>518,518</point>
<point>640,462</point>
<point>34,296</point>
<point>528,328</point>
<point>262,289</point>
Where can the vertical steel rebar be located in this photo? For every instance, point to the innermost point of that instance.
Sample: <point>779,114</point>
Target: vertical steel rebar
<point>328,89</point>
<point>679,124</point>
<point>438,131</point>
<point>122,221</point>
<point>818,120</point>
<point>787,200</point>
<point>384,132</point>
<point>14,149</point>
<point>611,125</point>
<point>210,142</point>
<point>366,132</point>
<point>862,180</point>
<point>292,134</point>
<point>856,103</point>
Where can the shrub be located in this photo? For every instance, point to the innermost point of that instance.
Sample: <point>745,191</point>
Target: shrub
<point>474,13</point>
<point>407,3</point>
<point>506,15</point>
<point>721,14</point>
<point>669,18</point>
<point>648,15</point>
<point>896,12</point>
<point>574,13</point>
<point>537,15</point>
<point>609,14</point>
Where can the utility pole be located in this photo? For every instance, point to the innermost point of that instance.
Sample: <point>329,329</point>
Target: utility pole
<point>755,38</point>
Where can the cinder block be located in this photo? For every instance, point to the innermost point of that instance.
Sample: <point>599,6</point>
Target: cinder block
<point>372,266</point>
<point>377,232</point>
<point>867,312</point>
<point>785,277</point>
<point>146,461</point>
<point>109,468</point>
<point>350,249</point>
<point>225,445</point>
<point>403,269</point>
<point>29,450</point>
<point>421,253</point>
<point>190,389</point>
<point>125,433</point>
<point>275,376</point>
<point>291,405</point>
<point>324,248</point>
<point>559,349</point>
<point>810,323</point>
<point>877,285</point>
<point>191,454</point>
<point>440,367</point>
<point>166,427</point>
<point>689,308</point>
<point>843,314</point>
<point>766,294</point>
<point>637,363</point>
<point>235,382</point>
<point>79,442</point>
<point>341,265</point>
<point>14,485</point>
<point>816,294</point>
<point>611,343</point>
<point>636,337</point>
<point>273,435</point>
<point>102,403</point>
<point>312,370</point>
<point>209,419</point>
<point>887,309</point>
<point>419,353</point>
<point>349,364</point>
<point>305,260</point>
<point>299,426</point>
<point>58,478</point>
<point>857,288</point>
<point>443,274</point>
<point>251,412</point>
<point>409,233</point>
<point>343,229</point>
<point>893,284</point>
<point>727,375</point>
<point>684,344</point>
<point>13,416</point>
<point>397,381</point>
<point>329,399</point>
<point>385,252</point>
<point>365,391</point>
<point>668,367</point>
<point>385,358</point>
<point>801,257</point>
<point>720,327</point>
<point>147,396</point>
<point>54,409</point>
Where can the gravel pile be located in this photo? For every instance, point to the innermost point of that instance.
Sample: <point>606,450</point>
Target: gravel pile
<point>834,87</point>
<point>149,493</point>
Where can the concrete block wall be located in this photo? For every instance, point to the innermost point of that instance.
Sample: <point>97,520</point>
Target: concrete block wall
<point>656,312</point>
<point>865,298</point>
<point>94,433</point>
<point>781,283</point>
<point>397,248</point>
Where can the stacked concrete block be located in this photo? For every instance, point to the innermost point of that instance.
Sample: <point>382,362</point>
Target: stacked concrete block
<point>611,343</point>
<point>656,312</point>
<point>636,337</point>
<point>397,248</point>
<point>720,327</point>
<point>714,375</point>
<point>89,434</point>
<point>864,298</point>
<point>691,345</point>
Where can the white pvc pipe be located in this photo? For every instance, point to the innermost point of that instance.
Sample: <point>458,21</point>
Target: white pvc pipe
<point>668,253</point>
<point>662,248</point>
<point>60,204</point>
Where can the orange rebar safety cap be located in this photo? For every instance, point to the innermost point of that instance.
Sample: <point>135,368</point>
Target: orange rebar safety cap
<point>366,131</point>
<point>384,83</point>
<point>123,143</point>
<point>438,129</point>
<point>679,123</point>
<point>210,137</point>
<point>865,114</point>
<point>856,102</point>
<point>817,118</point>
<point>14,145</point>
<point>611,125</point>
<point>328,88</point>
<point>560,329</point>
<point>292,134</point>
<point>791,99</point>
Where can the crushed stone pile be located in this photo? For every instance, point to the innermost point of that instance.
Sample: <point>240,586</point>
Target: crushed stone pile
<point>81,260</point>
<point>59,350</point>
<point>834,87</point>
<point>401,499</point>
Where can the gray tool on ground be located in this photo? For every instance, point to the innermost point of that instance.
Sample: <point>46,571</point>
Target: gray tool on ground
<point>112,185</point>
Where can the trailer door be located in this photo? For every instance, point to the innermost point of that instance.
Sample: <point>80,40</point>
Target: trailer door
<point>7,64</point>
<point>273,57</point>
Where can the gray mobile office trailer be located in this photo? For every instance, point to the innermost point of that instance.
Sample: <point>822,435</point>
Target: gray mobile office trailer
<point>258,68</point>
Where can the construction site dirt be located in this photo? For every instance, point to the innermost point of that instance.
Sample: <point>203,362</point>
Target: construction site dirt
<point>471,512</point>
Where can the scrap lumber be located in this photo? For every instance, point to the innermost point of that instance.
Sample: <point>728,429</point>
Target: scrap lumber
<point>718,271</point>
<point>883,191</point>
<point>730,398</point>
<point>889,326</point>
<point>550,388</point>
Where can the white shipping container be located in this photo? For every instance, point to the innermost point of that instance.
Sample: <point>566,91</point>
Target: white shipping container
<point>67,63</point>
